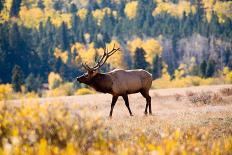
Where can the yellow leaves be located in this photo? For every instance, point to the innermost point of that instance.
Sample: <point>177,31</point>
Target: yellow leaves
<point>131,9</point>
<point>65,89</point>
<point>176,10</point>
<point>70,149</point>
<point>82,13</point>
<point>84,91</point>
<point>55,128</point>
<point>116,60</point>
<point>165,74</point>
<point>5,13</point>
<point>5,91</point>
<point>31,17</point>
<point>43,147</point>
<point>62,55</point>
<point>48,4</point>
<point>58,18</point>
<point>179,73</point>
<point>227,73</point>
<point>151,47</point>
<point>133,44</point>
<point>99,14</point>
<point>15,132</point>
<point>86,53</point>
<point>54,80</point>
<point>222,9</point>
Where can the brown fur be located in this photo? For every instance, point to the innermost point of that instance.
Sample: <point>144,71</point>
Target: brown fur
<point>120,83</point>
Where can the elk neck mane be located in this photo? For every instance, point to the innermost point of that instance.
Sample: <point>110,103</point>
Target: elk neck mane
<point>102,82</point>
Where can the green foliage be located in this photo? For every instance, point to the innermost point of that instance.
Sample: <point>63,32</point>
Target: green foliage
<point>33,83</point>
<point>139,59</point>
<point>17,78</point>
<point>32,30</point>
<point>157,67</point>
<point>203,68</point>
<point>15,8</point>
<point>210,70</point>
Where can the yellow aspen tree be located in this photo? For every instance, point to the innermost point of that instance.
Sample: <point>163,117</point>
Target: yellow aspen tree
<point>131,9</point>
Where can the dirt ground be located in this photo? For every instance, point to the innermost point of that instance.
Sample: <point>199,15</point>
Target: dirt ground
<point>167,109</point>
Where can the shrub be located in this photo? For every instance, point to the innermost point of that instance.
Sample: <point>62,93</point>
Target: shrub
<point>31,95</point>
<point>226,91</point>
<point>6,91</point>
<point>84,91</point>
<point>203,97</point>
<point>216,98</point>
<point>227,73</point>
<point>52,128</point>
<point>66,89</point>
<point>54,80</point>
<point>182,82</point>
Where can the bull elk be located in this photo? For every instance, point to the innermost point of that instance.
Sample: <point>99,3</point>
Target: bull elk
<point>118,82</point>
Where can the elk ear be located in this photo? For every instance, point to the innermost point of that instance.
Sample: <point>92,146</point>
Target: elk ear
<point>94,73</point>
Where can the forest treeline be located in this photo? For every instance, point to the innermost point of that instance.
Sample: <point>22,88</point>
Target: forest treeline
<point>43,36</point>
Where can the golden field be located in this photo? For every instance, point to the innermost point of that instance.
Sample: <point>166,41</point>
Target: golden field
<point>80,124</point>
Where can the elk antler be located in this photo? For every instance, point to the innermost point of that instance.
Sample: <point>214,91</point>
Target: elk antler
<point>103,59</point>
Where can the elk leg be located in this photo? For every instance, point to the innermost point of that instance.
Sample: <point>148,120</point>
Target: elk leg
<point>125,97</point>
<point>114,100</point>
<point>148,101</point>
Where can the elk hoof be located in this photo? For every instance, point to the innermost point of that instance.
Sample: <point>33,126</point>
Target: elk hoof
<point>131,115</point>
<point>150,113</point>
<point>145,113</point>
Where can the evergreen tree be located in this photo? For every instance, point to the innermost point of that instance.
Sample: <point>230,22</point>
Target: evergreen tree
<point>203,67</point>
<point>17,78</point>
<point>15,8</point>
<point>33,83</point>
<point>1,4</point>
<point>156,67</point>
<point>40,4</point>
<point>73,8</point>
<point>63,34</point>
<point>139,59</point>
<point>210,68</point>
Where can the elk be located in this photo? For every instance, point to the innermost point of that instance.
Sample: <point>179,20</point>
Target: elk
<point>118,82</point>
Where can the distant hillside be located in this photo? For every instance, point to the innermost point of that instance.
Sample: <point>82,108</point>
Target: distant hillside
<point>44,36</point>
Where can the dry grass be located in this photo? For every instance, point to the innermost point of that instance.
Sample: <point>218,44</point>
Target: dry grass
<point>80,125</point>
<point>226,91</point>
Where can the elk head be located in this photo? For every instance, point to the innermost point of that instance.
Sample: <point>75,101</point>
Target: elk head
<point>93,71</point>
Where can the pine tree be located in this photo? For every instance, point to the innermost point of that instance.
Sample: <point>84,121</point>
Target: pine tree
<point>33,83</point>
<point>40,4</point>
<point>156,67</point>
<point>1,4</point>
<point>139,59</point>
<point>63,34</point>
<point>17,78</point>
<point>73,8</point>
<point>15,8</point>
<point>203,67</point>
<point>210,68</point>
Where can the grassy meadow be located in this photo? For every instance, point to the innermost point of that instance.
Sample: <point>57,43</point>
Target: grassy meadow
<point>195,120</point>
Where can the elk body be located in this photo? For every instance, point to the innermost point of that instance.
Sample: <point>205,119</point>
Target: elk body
<point>118,82</point>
